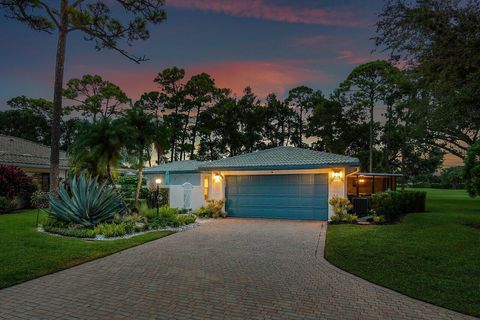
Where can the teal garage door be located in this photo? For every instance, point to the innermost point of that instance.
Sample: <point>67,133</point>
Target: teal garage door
<point>302,196</point>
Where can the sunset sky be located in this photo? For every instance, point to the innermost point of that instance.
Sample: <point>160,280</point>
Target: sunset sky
<point>271,45</point>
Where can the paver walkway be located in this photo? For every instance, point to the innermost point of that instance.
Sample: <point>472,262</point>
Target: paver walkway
<point>233,268</point>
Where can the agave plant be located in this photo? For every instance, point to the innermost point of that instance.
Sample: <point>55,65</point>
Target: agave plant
<point>88,203</point>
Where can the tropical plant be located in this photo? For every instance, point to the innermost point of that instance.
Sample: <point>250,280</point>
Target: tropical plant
<point>97,149</point>
<point>110,230</point>
<point>143,134</point>
<point>214,209</point>
<point>341,206</point>
<point>88,203</point>
<point>14,182</point>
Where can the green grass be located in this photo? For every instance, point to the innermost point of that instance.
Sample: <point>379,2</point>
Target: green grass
<point>27,254</point>
<point>432,256</point>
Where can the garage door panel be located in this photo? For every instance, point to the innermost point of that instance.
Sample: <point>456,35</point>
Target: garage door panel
<point>278,196</point>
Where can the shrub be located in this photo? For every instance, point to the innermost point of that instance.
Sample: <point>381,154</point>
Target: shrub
<point>471,173</point>
<point>52,222</point>
<point>128,186</point>
<point>6,204</point>
<point>88,203</point>
<point>214,209</point>
<point>110,230</point>
<point>151,196</point>
<point>351,218</point>
<point>378,219</point>
<point>184,219</point>
<point>14,182</point>
<point>341,206</point>
<point>130,203</point>
<point>392,204</point>
<point>40,199</point>
<point>72,232</point>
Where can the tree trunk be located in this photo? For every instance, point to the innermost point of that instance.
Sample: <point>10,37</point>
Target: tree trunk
<point>387,138</point>
<point>370,164</point>
<point>139,183</point>
<point>184,136</point>
<point>194,132</point>
<point>57,99</point>
<point>301,127</point>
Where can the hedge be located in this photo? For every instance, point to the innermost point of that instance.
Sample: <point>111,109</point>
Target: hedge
<point>392,204</point>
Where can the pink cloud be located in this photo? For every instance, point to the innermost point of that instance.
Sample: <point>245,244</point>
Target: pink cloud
<point>263,77</point>
<point>261,10</point>
<point>350,57</point>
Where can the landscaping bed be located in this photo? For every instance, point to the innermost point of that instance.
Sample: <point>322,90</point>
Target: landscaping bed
<point>431,256</point>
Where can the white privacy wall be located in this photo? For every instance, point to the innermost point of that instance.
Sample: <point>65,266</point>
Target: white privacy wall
<point>176,196</point>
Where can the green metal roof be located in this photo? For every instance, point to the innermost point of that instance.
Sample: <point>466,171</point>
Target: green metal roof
<point>177,166</point>
<point>281,158</point>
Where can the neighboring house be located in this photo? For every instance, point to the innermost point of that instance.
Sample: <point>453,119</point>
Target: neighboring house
<point>31,157</point>
<point>282,182</point>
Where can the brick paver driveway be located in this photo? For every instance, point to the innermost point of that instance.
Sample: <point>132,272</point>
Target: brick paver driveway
<point>233,268</point>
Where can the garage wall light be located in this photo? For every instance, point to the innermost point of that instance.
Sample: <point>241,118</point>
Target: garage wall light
<point>337,175</point>
<point>217,177</point>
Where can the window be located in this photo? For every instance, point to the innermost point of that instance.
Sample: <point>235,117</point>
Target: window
<point>205,188</point>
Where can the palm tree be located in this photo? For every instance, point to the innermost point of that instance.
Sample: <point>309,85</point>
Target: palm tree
<point>143,130</point>
<point>97,148</point>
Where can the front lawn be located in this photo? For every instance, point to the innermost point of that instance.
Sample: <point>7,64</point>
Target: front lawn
<point>26,254</point>
<point>432,256</point>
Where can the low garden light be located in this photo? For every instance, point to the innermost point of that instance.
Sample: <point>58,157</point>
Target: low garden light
<point>337,175</point>
<point>158,182</point>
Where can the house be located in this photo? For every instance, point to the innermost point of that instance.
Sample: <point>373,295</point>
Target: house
<point>31,157</point>
<point>282,182</point>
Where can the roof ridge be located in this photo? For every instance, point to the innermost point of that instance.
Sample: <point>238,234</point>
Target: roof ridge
<point>26,140</point>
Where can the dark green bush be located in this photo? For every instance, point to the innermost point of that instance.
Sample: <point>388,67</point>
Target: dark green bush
<point>128,186</point>
<point>6,204</point>
<point>72,232</point>
<point>151,196</point>
<point>392,204</point>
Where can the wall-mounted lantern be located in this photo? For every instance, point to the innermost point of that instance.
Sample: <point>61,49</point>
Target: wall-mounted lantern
<point>337,175</point>
<point>217,177</point>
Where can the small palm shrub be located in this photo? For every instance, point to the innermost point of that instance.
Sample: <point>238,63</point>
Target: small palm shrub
<point>88,203</point>
<point>214,209</point>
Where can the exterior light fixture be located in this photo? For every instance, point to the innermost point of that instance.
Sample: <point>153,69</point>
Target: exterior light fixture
<point>337,175</point>
<point>361,181</point>
<point>217,177</point>
<point>158,181</point>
